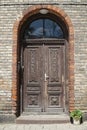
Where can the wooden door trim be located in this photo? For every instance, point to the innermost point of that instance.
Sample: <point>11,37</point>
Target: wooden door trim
<point>45,41</point>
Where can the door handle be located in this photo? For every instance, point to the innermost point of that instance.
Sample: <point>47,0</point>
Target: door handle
<point>62,78</point>
<point>46,77</point>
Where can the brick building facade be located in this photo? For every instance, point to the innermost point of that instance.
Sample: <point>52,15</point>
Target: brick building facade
<point>72,17</point>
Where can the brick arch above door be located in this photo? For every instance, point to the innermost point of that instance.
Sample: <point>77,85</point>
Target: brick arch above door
<point>16,30</point>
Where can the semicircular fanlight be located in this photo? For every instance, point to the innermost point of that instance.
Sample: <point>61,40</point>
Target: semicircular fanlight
<point>43,28</point>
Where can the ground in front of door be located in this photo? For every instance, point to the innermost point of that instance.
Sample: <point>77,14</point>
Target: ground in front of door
<point>66,126</point>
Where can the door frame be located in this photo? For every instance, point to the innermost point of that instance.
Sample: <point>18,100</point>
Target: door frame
<point>61,42</point>
<point>18,24</point>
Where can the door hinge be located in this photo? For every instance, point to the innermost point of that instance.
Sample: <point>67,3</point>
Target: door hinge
<point>18,66</point>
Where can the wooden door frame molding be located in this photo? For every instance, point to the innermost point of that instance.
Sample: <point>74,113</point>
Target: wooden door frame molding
<point>32,10</point>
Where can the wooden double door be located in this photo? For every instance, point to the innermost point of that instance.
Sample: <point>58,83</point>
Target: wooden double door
<point>43,77</point>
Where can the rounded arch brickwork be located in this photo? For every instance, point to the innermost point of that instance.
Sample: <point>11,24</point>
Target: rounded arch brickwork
<point>16,29</point>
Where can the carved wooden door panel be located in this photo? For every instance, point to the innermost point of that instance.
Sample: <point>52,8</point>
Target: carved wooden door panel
<point>54,71</point>
<point>43,89</point>
<point>33,79</point>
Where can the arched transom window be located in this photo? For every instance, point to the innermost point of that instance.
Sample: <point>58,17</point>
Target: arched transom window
<point>43,28</point>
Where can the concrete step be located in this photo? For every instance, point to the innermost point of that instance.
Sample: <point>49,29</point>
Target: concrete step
<point>43,119</point>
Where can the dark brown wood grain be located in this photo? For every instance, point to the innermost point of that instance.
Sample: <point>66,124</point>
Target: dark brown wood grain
<point>43,76</point>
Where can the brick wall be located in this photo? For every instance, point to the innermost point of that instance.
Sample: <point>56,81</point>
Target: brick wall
<point>10,11</point>
<point>44,1</point>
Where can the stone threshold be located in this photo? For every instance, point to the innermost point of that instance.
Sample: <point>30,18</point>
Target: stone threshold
<point>43,119</point>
